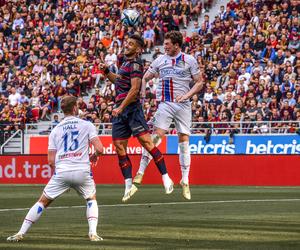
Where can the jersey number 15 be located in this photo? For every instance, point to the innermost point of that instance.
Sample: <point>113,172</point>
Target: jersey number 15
<point>74,142</point>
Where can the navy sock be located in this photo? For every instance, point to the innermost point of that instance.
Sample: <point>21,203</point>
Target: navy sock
<point>125,166</point>
<point>159,160</point>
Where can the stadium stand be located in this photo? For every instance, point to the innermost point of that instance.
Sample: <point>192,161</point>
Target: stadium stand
<point>249,55</point>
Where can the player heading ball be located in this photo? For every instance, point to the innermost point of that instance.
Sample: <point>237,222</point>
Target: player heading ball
<point>176,71</point>
<point>128,117</point>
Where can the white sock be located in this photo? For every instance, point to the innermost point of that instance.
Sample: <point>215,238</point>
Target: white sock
<point>185,161</point>
<point>145,160</point>
<point>185,170</point>
<point>166,180</point>
<point>128,184</point>
<point>92,216</point>
<point>32,216</point>
<point>146,157</point>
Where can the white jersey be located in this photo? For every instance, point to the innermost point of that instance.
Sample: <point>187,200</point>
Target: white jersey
<point>70,138</point>
<point>175,75</point>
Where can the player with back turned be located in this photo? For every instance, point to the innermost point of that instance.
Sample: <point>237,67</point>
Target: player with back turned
<point>128,118</point>
<point>68,154</point>
<point>176,71</point>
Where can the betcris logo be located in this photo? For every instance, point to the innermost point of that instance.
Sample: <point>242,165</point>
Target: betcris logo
<point>256,144</point>
<point>276,144</point>
<point>216,145</point>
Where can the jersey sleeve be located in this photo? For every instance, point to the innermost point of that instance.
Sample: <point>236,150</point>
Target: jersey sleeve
<point>153,68</point>
<point>136,70</point>
<point>194,66</point>
<point>51,141</point>
<point>92,131</point>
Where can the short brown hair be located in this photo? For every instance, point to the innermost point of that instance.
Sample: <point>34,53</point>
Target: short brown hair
<point>138,40</point>
<point>175,37</point>
<point>68,103</point>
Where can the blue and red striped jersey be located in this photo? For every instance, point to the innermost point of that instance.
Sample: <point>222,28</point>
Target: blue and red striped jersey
<point>129,69</point>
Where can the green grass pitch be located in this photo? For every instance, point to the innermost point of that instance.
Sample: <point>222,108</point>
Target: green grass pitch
<point>216,218</point>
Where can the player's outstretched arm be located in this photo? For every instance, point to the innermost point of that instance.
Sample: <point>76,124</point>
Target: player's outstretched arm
<point>131,96</point>
<point>195,89</point>
<point>110,75</point>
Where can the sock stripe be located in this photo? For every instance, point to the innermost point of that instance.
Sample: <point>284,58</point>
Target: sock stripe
<point>29,221</point>
<point>159,160</point>
<point>122,157</point>
<point>125,166</point>
<point>156,154</point>
<point>93,217</point>
<point>154,151</point>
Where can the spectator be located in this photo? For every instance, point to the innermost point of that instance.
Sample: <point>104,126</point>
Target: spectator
<point>14,97</point>
<point>248,53</point>
<point>111,60</point>
<point>149,36</point>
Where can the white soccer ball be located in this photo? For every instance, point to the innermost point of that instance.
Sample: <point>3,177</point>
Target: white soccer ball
<point>130,17</point>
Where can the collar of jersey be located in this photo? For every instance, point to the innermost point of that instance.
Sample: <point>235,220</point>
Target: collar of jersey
<point>69,117</point>
<point>177,56</point>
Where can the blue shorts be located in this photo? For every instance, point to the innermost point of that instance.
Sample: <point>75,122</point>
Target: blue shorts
<point>130,122</point>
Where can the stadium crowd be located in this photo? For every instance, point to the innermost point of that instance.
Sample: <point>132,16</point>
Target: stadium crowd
<point>249,55</point>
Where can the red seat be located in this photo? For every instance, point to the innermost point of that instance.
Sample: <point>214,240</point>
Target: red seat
<point>35,114</point>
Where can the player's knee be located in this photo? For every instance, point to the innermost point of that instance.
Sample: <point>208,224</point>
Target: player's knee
<point>119,148</point>
<point>184,154</point>
<point>160,132</point>
<point>45,201</point>
<point>93,197</point>
<point>148,144</point>
<point>156,139</point>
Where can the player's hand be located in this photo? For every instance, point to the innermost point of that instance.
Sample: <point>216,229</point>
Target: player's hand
<point>93,158</point>
<point>117,111</point>
<point>181,98</point>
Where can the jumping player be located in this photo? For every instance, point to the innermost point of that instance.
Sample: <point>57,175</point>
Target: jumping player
<point>176,71</point>
<point>128,117</point>
<point>68,154</point>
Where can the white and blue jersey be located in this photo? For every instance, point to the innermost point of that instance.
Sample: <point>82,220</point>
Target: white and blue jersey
<point>175,75</point>
<point>70,139</point>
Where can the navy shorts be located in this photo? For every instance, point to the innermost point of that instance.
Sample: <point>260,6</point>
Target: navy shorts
<point>130,122</point>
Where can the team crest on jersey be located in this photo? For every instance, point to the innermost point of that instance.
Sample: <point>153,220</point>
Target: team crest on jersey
<point>136,67</point>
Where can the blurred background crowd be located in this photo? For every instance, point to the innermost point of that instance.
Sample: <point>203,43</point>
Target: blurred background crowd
<point>248,54</point>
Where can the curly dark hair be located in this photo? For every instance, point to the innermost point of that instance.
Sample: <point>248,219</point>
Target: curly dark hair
<point>175,37</point>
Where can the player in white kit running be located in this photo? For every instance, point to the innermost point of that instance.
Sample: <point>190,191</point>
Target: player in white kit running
<point>68,154</point>
<point>176,72</point>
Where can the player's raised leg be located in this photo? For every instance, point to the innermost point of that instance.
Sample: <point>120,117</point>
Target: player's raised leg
<point>126,168</point>
<point>147,157</point>
<point>145,140</point>
<point>162,121</point>
<point>32,216</point>
<point>185,163</point>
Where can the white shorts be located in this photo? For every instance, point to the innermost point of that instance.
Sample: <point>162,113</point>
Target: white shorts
<point>81,181</point>
<point>181,113</point>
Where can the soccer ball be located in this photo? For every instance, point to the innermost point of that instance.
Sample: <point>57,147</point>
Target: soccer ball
<point>130,17</point>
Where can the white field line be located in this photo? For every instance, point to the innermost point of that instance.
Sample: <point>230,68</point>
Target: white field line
<point>162,203</point>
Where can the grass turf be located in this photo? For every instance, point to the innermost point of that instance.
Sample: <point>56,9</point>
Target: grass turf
<point>230,225</point>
